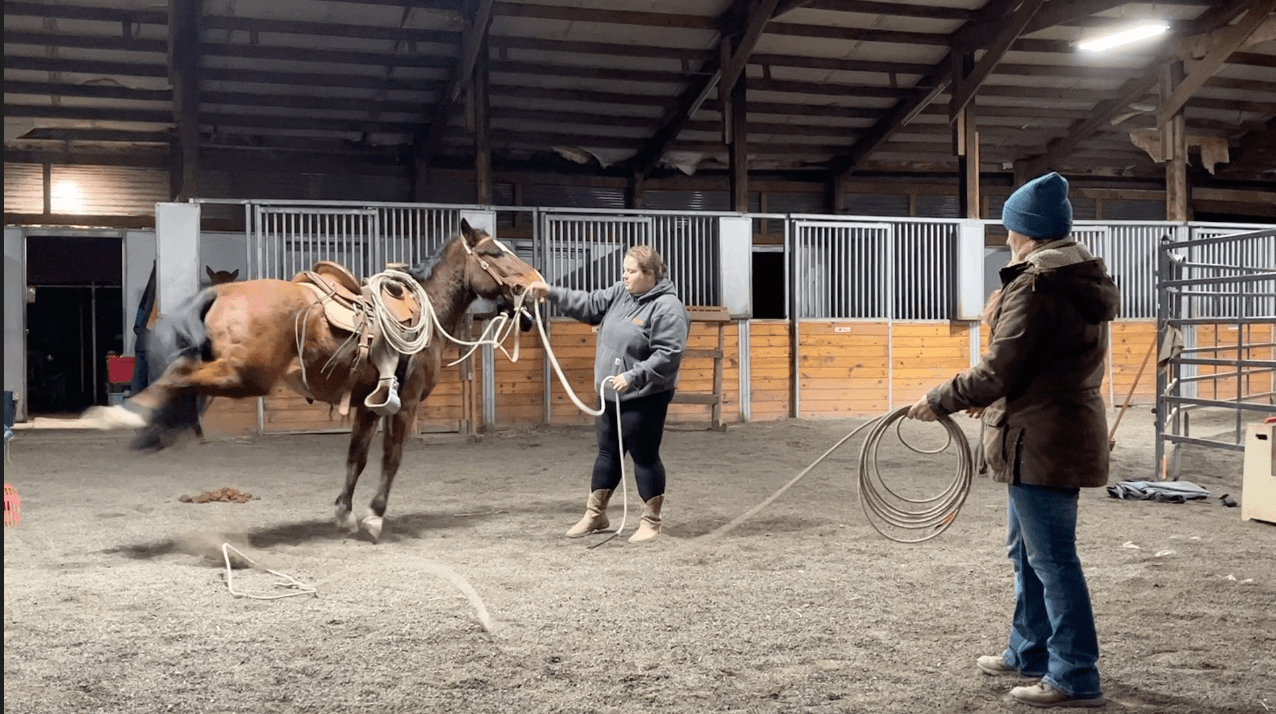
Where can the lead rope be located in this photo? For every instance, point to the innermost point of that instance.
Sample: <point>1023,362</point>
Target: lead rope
<point>620,437</point>
<point>939,512</point>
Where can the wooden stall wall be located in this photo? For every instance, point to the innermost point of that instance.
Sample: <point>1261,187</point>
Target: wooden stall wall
<point>1130,341</point>
<point>843,368</point>
<point>520,389</point>
<point>696,375</point>
<point>924,354</point>
<point>1252,387</point>
<point>770,370</point>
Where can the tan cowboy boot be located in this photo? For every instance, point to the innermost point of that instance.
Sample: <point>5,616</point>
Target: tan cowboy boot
<point>595,518</point>
<point>649,526</point>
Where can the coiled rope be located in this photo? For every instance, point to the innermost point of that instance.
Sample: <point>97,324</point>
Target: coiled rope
<point>887,511</point>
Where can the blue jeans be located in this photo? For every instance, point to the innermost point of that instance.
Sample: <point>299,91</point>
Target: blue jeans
<point>1053,635</point>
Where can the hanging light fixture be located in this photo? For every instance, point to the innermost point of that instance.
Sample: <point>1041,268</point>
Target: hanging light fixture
<point>1125,37</point>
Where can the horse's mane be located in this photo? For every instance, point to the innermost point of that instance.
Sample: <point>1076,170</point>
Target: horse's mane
<point>423,271</point>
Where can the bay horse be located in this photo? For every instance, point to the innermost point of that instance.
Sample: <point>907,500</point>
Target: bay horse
<point>241,339</point>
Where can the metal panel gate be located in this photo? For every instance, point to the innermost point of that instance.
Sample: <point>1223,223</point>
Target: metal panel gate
<point>1217,301</point>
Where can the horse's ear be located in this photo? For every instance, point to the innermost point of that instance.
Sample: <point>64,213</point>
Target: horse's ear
<point>234,274</point>
<point>468,231</point>
<point>211,274</point>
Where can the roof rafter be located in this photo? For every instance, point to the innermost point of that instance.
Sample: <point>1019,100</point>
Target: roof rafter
<point>750,19</point>
<point>1227,42</point>
<point>964,88</point>
<point>932,85</point>
<point>472,42</point>
<point>1132,90</point>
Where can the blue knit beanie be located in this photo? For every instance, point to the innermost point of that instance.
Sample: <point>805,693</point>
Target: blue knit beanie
<point>1040,208</point>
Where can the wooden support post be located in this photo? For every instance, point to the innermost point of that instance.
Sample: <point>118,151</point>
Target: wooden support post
<point>183,63</point>
<point>634,190</point>
<point>837,193</point>
<point>739,146</point>
<point>966,142</point>
<point>1174,149</point>
<point>482,130</point>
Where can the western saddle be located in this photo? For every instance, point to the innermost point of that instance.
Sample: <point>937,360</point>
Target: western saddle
<point>349,306</point>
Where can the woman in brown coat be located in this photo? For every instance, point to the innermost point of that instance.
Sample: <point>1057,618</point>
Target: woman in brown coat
<point>1045,436</point>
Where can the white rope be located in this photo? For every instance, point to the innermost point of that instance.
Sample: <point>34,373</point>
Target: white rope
<point>291,582</point>
<point>620,437</point>
<point>405,340</point>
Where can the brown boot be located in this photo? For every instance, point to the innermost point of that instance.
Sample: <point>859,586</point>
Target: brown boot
<point>649,526</point>
<point>595,518</point>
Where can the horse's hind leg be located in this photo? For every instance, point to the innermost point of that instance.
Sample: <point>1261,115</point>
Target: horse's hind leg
<point>361,434</point>
<point>392,457</point>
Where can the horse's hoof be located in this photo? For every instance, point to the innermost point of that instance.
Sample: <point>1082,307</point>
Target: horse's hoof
<point>346,519</point>
<point>373,525</point>
<point>113,417</point>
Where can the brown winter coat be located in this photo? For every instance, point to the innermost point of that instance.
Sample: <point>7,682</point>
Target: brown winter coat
<point>1046,424</point>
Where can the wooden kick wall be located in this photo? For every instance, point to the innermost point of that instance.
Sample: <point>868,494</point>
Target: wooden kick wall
<point>847,369</point>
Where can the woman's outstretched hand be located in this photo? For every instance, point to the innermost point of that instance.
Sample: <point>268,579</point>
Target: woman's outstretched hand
<point>539,290</point>
<point>921,411</point>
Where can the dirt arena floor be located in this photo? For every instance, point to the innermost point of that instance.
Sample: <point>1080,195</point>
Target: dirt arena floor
<point>116,597</point>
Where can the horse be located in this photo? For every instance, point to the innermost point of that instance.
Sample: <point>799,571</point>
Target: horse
<point>241,339</point>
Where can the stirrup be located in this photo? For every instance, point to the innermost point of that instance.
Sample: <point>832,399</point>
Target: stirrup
<point>388,406</point>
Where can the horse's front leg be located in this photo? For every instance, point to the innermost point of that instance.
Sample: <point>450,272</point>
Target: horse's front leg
<point>361,434</point>
<point>395,433</point>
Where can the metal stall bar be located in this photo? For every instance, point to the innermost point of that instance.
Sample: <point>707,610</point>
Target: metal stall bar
<point>1214,281</point>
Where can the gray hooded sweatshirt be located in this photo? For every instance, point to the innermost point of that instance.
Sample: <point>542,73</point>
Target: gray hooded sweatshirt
<point>646,333</point>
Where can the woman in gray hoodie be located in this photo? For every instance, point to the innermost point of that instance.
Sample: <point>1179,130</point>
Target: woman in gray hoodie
<point>642,332</point>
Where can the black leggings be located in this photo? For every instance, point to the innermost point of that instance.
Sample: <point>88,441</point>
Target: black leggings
<point>642,421</point>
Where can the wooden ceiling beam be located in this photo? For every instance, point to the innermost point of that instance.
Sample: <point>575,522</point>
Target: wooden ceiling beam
<point>893,9</point>
<point>112,114</point>
<point>95,68</point>
<point>316,79</point>
<point>330,29</point>
<point>931,86</point>
<point>1131,91</point>
<point>57,11</point>
<point>84,42</point>
<point>965,87</point>
<point>322,56</point>
<point>102,136</point>
<point>503,43</point>
<point>745,21</point>
<point>311,102</point>
<point>472,43</point>
<point>614,17</point>
<point>1256,12</point>
<point>91,91</point>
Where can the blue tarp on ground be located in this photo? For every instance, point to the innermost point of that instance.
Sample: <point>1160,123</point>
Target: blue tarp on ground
<point>1166,491</point>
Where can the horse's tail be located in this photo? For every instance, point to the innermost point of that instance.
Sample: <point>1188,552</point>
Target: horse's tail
<point>180,334</point>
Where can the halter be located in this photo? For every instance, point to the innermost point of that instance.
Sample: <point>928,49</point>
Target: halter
<point>487,267</point>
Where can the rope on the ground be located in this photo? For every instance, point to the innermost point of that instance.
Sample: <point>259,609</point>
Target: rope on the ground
<point>894,511</point>
<point>289,582</point>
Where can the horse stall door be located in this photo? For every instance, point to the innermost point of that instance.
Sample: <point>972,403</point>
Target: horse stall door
<point>73,322</point>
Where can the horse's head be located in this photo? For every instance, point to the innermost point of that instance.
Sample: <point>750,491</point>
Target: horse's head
<point>493,271</point>
<point>217,277</point>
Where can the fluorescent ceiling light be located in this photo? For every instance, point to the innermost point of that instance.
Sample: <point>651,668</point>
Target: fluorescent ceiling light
<point>1141,32</point>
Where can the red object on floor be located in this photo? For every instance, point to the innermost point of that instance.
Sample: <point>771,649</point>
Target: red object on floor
<point>11,503</point>
<point>1270,420</point>
<point>119,370</point>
